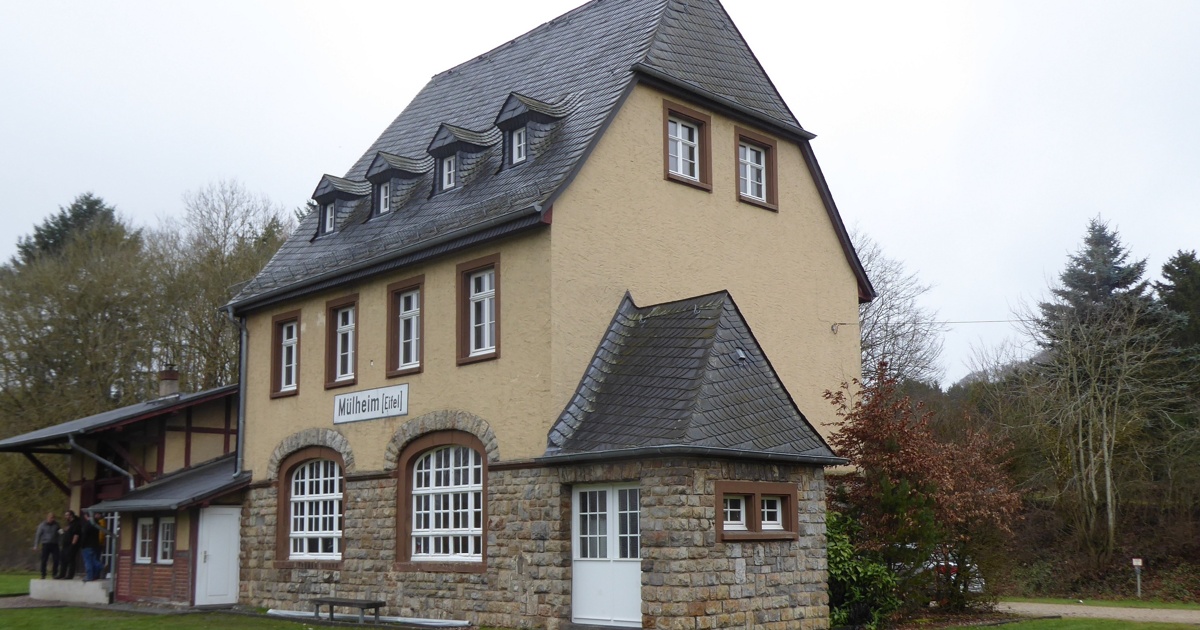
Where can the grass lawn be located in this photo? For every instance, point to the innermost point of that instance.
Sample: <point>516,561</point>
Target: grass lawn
<point>1080,624</point>
<point>87,618</point>
<point>1117,603</point>
<point>16,583</point>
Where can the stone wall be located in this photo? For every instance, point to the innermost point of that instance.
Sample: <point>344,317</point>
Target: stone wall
<point>689,578</point>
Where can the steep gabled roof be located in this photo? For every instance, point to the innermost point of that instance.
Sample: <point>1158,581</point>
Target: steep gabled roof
<point>685,376</point>
<point>588,58</point>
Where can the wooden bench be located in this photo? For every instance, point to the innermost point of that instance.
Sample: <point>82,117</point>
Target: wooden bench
<point>361,604</point>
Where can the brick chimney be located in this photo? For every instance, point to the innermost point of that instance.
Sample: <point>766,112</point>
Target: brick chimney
<point>168,381</point>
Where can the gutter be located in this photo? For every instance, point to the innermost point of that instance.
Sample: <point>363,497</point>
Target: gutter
<point>100,460</point>
<point>243,342</point>
<point>695,451</point>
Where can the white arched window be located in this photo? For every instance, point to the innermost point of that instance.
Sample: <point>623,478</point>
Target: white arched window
<point>316,511</point>
<point>447,505</point>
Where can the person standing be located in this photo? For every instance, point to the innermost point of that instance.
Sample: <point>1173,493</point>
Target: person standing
<point>70,546</point>
<point>93,550</point>
<point>46,537</point>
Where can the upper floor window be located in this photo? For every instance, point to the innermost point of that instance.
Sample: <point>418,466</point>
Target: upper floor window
<point>479,309</point>
<point>383,196</point>
<point>328,218</point>
<point>449,173</point>
<point>447,505</point>
<point>166,540</point>
<point>520,145</point>
<point>341,341</point>
<point>404,326</point>
<point>687,149</point>
<point>285,354</point>
<point>757,180</point>
<point>315,514</point>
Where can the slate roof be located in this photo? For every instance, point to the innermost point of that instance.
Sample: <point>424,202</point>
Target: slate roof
<point>685,376</point>
<point>585,60</point>
<point>181,489</point>
<point>91,424</point>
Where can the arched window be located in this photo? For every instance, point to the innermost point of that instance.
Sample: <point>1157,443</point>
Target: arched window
<point>315,511</point>
<point>443,503</point>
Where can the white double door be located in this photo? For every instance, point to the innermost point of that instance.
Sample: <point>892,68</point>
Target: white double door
<point>606,575</point>
<point>217,555</point>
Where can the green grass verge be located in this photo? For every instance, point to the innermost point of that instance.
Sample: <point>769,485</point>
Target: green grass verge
<point>1085,624</point>
<point>91,618</point>
<point>16,582</point>
<point>1112,603</point>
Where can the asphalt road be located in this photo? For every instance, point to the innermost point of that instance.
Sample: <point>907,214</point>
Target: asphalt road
<point>1165,615</point>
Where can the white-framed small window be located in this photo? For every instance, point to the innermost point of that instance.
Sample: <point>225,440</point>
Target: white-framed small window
<point>143,544</point>
<point>483,311</point>
<point>520,145</point>
<point>287,356</point>
<point>409,309</point>
<point>772,513</point>
<point>383,193</point>
<point>752,171</point>
<point>166,540</point>
<point>683,146</point>
<point>448,172</point>
<point>344,336</point>
<point>734,512</point>
<point>315,530</point>
<point>329,213</point>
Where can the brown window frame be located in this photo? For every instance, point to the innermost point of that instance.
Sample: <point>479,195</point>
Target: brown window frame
<point>703,123</point>
<point>394,291</point>
<point>283,508</point>
<point>277,324</point>
<point>331,308</point>
<point>770,148</point>
<point>463,292</point>
<point>754,491</point>
<point>405,463</point>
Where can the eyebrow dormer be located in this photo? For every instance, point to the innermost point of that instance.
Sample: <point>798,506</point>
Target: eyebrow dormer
<point>522,117</point>
<point>457,150</point>
<point>333,195</point>
<point>393,179</point>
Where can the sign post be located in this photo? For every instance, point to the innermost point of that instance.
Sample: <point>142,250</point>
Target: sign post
<point>1137,570</point>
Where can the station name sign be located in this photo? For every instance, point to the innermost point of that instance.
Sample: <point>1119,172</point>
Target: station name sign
<point>371,404</point>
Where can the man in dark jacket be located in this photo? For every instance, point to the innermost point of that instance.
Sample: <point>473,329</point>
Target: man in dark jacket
<point>46,537</point>
<point>70,546</point>
<point>93,547</point>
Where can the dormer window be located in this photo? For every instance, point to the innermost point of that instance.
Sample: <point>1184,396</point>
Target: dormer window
<point>448,172</point>
<point>519,144</point>
<point>328,218</point>
<point>383,197</point>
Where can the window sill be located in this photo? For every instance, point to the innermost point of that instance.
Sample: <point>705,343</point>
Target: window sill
<point>285,394</point>
<point>479,357</point>
<point>416,369</point>
<point>758,202</point>
<point>441,567</point>
<point>694,183</point>
<point>739,536</point>
<point>342,383</point>
<point>329,565</point>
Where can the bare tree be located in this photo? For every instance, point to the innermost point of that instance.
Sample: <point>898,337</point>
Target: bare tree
<point>894,326</point>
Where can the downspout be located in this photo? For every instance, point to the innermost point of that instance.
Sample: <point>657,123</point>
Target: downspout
<point>75,445</point>
<point>243,340</point>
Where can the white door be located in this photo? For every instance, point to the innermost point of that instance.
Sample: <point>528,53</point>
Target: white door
<point>217,555</point>
<point>606,569</point>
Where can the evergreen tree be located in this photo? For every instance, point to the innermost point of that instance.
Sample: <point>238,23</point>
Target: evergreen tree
<point>1180,292</point>
<point>51,236</point>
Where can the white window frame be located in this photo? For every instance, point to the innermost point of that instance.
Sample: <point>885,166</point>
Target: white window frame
<point>447,506</point>
<point>520,145</point>
<point>343,336</point>
<point>752,172</point>
<point>449,175</point>
<point>329,211</point>
<point>315,511</point>
<point>384,193</point>
<point>287,349</point>
<point>683,151</point>
<point>409,331</point>
<point>734,513</point>
<point>143,543</point>
<point>771,514</point>
<point>481,309</point>
<point>166,540</point>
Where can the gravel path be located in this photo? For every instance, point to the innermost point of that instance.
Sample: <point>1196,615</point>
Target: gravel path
<point>1164,615</point>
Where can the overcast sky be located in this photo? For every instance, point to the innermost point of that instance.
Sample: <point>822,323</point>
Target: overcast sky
<point>972,140</point>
